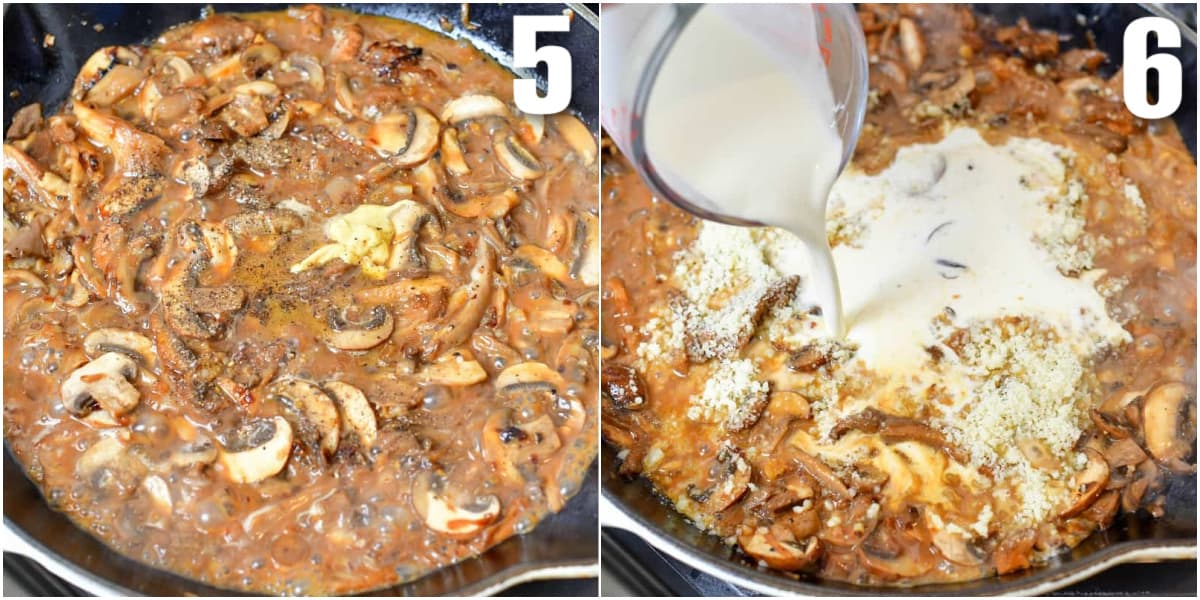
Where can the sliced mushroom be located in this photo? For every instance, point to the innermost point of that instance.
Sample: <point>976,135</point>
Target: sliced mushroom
<point>422,140</point>
<point>1088,483</point>
<point>776,547</point>
<point>543,260</point>
<point>314,74</point>
<point>1169,425</point>
<point>729,475</point>
<point>452,153</point>
<point>577,136</point>
<point>586,266</point>
<point>275,221</point>
<point>192,454</point>
<point>471,107</point>
<point>314,405</point>
<point>478,294</point>
<point>530,374</point>
<point>159,492</point>
<point>1014,552</point>
<point>622,387</point>
<point>957,548</point>
<point>117,83</point>
<point>258,58</point>
<point>516,158</point>
<point>515,449</point>
<point>408,221</point>
<point>493,206</point>
<point>533,129</point>
<point>129,343</point>
<point>912,45</point>
<point>442,513</point>
<point>51,188</point>
<point>345,334</point>
<point>454,370</point>
<point>259,451</point>
<point>356,413</point>
<point>108,465</point>
<point>98,65</point>
<point>885,554</point>
<point>104,382</point>
<point>822,473</point>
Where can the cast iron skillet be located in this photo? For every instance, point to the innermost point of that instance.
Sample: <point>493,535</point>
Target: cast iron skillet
<point>634,506</point>
<point>563,545</point>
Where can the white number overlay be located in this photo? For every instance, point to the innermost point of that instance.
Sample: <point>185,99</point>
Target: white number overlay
<point>1138,64</point>
<point>527,55</point>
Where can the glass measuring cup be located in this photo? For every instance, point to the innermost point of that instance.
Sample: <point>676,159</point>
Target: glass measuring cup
<point>639,37</point>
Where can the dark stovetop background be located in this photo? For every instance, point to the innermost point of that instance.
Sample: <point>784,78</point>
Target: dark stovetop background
<point>630,567</point>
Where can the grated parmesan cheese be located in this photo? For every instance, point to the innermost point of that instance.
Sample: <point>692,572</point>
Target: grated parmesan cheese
<point>731,390</point>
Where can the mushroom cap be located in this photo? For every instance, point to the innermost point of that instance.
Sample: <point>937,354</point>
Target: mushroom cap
<point>516,158</point>
<point>314,405</point>
<point>476,106</point>
<point>356,412</point>
<point>361,335</point>
<point>129,343</point>
<point>1169,425</point>
<point>778,549</point>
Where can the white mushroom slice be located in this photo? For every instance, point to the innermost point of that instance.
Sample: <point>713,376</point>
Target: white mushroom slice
<point>314,405</point>
<point>346,103</point>
<point>183,70</point>
<point>443,515</point>
<point>357,415</point>
<point>257,88</point>
<point>159,492</point>
<point>423,140</point>
<point>587,250</point>
<point>344,334</point>
<point>510,446</point>
<point>1088,483</point>
<point>259,57</point>
<point>148,99</point>
<point>99,64</point>
<point>534,129</point>
<point>408,220</point>
<point>543,260</point>
<point>453,370</point>
<point>577,136</point>
<point>1169,425</point>
<point>516,158</point>
<point>104,381</point>
<point>129,343</point>
<point>265,455</point>
<point>452,153</point>
<point>225,68</point>
<point>478,293</point>
<point>107,451</point>
<point>956,548</point>
<point>530,374</point>
<point>471,107</point>
<point>118,82</point>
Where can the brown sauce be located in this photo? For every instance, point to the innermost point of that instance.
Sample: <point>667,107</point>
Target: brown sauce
<point>185,393</point>
<point>785,509</point>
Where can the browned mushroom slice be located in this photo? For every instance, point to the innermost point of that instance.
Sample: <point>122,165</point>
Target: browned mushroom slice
<point>516,158</point>
<point>314,74</point>
<point>1110,424</point>
<point>1014,552</point>
<point>822,473</point>
<point>622,387</point>
<point>137,178</point>
<point>492,206</point>
<point>454,369</point>
<point>103,382</point>
<point>728,479</point>
<point>776,547</point>
<point>1088,483</point>
<point>1122,453</point>
<point>887,554</point>
<point>702,344</point>
<point>258,58</point>
<point>51,188</point>
<point>1169,425</point>
<point>314,405</point>
<point>98,65</point>
<point>421,139</point>
<point>458,515</point>
<point>345,334</point>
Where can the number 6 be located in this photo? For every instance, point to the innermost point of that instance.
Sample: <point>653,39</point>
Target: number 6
<point>527,55</point>
<point>1137,65</point>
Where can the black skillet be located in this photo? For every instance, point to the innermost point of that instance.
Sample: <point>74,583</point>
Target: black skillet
<point>563,545</point>
<point>635,507</point>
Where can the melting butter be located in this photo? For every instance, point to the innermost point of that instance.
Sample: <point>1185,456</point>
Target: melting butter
<point>360,237</point>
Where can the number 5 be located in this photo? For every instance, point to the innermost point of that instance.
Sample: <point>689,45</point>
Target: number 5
<point>1137,65</point>
<point>527,55</point>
